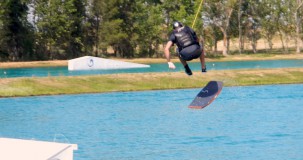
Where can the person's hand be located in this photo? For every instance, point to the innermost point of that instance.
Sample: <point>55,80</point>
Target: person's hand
<point>171,65</point>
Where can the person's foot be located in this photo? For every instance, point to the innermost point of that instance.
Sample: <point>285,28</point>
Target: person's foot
<point>188,70</point>
<point>204,69</point>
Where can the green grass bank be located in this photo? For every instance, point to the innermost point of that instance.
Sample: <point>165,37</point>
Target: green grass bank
<point>16,87</point>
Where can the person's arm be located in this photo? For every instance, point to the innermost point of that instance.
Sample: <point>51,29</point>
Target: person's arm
<point>167,55</point>
<point>166,50</point>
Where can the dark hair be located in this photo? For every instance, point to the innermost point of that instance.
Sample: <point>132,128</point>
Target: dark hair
<point>177,24</point>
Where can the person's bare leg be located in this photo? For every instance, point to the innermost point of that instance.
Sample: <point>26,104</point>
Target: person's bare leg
<point>186,67</point>
<point>202,60</point>
<point>183,61</point>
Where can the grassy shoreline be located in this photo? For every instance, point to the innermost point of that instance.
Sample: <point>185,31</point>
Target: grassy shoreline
<point>242,57</point>
<point>34,86</point>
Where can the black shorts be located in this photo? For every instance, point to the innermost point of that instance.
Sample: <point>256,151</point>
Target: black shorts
<point>191,52</point>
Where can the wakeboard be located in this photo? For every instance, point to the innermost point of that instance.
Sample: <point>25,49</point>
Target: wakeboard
<point>207,95</point>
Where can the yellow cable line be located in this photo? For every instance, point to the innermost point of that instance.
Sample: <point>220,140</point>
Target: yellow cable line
<point>197,13</point>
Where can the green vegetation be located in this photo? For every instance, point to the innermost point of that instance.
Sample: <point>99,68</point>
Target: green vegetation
<point>64,29</point>
<point>147,81</point>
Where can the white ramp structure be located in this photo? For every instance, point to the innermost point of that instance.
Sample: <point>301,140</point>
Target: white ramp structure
<point>93,63</point>
<point>17,149</point>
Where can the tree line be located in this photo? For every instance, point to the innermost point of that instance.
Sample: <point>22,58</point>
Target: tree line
<point>65,29</point>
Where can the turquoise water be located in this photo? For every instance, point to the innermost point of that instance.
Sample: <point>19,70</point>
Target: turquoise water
<point>256,122</point>
<point>161,67</point>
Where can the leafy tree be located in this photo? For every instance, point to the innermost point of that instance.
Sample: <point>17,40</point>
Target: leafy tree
<point>212,35</point>
<point>94,19</point>
<point>219,13</point>
<point>111,28</point>
<point>298,13</point>
<point>148,28</point>
<point>169,7</point>
<point>76,38</point>
<point>275,19</point>
<point>60,27</point>
<point>181,10</point>
<point>241,10</point>
<point>3,53</point>
<point>254,15</point>
<point>284,23</point>
<point>63,29</point>
<point>16,31</point>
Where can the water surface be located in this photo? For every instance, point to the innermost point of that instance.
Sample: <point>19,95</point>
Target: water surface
<point>256,122</point>
<point>159,67</point>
